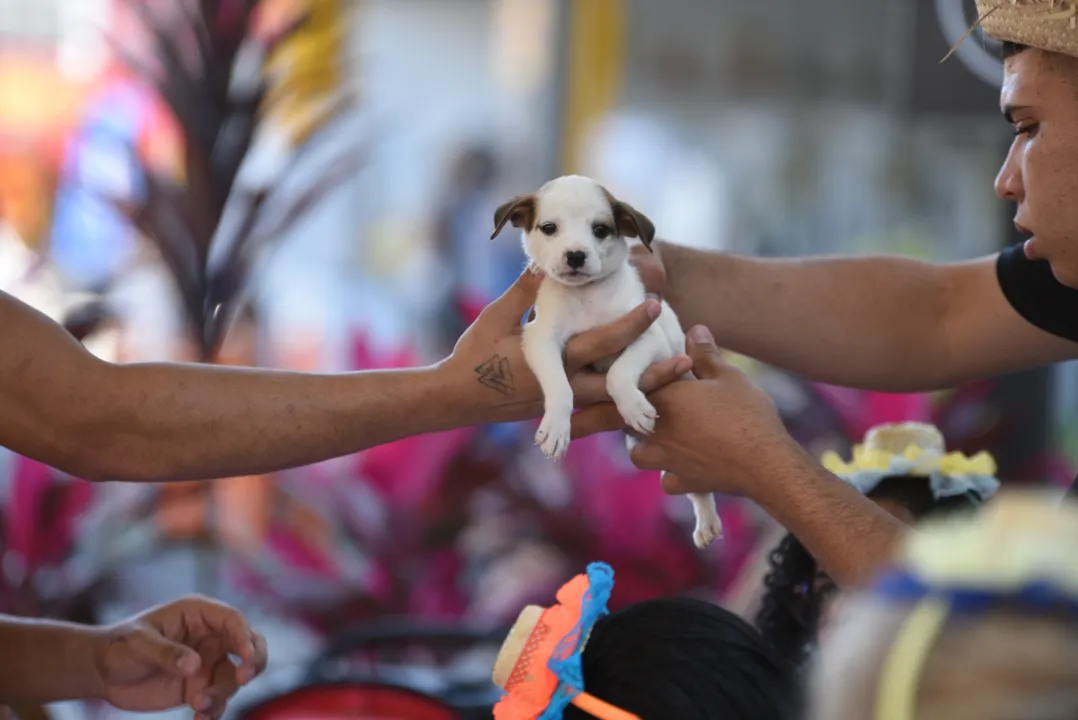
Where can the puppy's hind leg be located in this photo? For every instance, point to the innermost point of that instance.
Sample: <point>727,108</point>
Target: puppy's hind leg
<point>708,524</point>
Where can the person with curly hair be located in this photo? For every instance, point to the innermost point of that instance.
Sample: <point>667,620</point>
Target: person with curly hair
<point>906,471</point>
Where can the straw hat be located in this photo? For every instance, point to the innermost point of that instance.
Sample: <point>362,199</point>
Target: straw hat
<point>1023,537</point>
<point>913,449</point>
<point>1050,25</point>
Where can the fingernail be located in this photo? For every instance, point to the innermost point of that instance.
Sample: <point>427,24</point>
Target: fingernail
<point>204,703</point>
<point>701,335</point>
<point>682,366</point>
<point>188,664</point>
<point>653,308</point>
<point>653,296</point>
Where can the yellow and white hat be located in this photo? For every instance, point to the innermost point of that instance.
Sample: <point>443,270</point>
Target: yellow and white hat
<point>918,450</point>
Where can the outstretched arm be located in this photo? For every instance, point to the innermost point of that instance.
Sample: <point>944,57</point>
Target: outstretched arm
<point>881,323</point>
<point>721,433</point>
<point>165,422</point>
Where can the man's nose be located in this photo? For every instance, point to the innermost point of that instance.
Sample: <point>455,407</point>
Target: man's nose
<point>576,259</point>
<point>1008,183</point>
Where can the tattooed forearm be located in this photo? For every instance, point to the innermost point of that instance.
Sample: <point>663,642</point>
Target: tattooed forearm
<point>497,375</point>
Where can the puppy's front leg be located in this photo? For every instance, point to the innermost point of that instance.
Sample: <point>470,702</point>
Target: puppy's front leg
<point>542,349</point>
<point>623,380</point>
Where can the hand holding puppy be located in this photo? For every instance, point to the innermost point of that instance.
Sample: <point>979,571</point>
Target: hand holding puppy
<point>719,433</point>
<point>489,367</point>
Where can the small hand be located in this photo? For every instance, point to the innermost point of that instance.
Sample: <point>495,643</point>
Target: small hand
<point>712,432</point>
<point>178,654</point>
<point>489,364</point>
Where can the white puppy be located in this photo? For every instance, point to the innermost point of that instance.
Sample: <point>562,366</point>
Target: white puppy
<point>576,233</point>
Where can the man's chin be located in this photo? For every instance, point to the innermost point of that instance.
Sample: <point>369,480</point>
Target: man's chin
<point>1065,272</point>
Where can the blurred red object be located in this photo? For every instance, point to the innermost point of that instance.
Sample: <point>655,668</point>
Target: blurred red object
<point>352,701</point>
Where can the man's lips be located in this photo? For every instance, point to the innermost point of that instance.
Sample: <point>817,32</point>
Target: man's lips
<point>1029,247</point>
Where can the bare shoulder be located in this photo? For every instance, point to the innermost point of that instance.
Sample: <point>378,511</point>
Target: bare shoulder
<point>984,334</point>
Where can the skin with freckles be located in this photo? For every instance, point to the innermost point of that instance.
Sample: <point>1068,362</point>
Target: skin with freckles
<point>1039,99</point>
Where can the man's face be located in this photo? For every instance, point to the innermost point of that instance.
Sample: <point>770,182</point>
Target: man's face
<point>1040,175</point>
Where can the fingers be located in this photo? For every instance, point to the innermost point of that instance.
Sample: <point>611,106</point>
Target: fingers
<point>240,641</point>
<point>590,387</point>
<point>261,656</point>
<point>603,417</point>
<point>650,268</point>
<point>674,485</point>
<point>647,456</point>
<point>663,373</point>
<point>172,658</point>
<point>231,629</point>
<point>211,702</point>
<point>227,680</point>
<point>610,339</point>
<point>508,309</point>
<point>706,359</point>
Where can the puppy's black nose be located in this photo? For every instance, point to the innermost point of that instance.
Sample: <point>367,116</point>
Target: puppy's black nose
<point>576,259</point>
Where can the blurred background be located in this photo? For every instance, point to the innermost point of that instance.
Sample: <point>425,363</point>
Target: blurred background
<point>310,184</point>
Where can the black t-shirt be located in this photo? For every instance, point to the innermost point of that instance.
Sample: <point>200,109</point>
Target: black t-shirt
<point>1034,292</point>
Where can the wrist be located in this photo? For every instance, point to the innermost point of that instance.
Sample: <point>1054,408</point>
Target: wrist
<point>466,401</point>
<point>88,646</point>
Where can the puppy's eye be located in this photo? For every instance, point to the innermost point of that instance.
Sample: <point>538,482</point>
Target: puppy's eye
<point>548,228</point>
<point>602,231</point>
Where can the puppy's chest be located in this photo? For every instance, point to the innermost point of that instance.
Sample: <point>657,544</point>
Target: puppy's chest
<point>576,310</point>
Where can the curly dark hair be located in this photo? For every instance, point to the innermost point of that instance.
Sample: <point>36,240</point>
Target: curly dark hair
<point>796,588</point>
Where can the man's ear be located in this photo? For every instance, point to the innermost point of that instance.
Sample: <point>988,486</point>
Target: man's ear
<point>520,212</point>
<point>630,222</point>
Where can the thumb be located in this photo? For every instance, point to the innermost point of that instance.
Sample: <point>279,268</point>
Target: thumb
<point>706,359</point>
<point>647,456</point>
<point>170,657</point>
<point>509,309</point>
<point>674,485</point>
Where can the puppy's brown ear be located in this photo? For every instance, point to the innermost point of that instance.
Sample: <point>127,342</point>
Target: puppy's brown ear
<point>630,222</point>
<point>520,211</point>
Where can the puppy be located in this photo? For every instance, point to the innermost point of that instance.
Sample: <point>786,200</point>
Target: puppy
<point>576,233</point>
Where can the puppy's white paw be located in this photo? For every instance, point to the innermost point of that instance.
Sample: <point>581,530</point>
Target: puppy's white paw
<point>639,414</point>
<point>553,434</point>
<point>708,530</point>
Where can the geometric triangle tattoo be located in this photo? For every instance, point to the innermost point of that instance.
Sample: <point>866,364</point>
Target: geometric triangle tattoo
<point>496,375</point>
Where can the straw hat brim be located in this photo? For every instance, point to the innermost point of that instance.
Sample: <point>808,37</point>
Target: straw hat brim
<point>1050,25</point>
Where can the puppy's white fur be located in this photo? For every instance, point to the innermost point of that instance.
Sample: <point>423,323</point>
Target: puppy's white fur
<point>576,233</point>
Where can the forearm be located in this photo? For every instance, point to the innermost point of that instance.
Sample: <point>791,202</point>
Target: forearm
<point>43,662</point>
<point>850,536</point>
<point>861,322</point>
<point>167,422</point>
